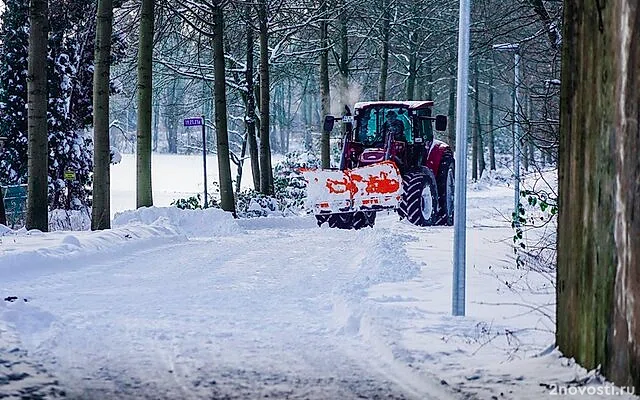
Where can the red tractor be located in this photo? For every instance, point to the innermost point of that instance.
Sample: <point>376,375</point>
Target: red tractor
<point>390,160</point>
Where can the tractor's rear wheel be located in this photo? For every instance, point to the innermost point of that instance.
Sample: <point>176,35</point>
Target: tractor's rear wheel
<point>446,187</point>
<point>353,220</point>
<point>419,202</point>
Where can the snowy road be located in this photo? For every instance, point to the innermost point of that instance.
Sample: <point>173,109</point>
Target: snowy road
<point>260,313</point>
<point>175,304</point>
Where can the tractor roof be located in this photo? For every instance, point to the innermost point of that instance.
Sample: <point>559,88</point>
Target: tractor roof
<point>412,105</point>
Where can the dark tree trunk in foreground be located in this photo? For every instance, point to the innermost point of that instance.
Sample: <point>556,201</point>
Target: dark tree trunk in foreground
<point>266,173</point>
<point>37,202</point>
<point>101,207</point>
<point>598,280</point>
<point>222,137</point>
<point>144,196</point>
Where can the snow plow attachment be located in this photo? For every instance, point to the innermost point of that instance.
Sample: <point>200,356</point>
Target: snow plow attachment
<point>370,188</point>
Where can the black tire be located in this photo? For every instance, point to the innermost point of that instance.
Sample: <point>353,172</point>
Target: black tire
<point>363,219</point>
<point>446,187</point>
<point>353,220</point>
<point>341,221</point>
<point>321,219</point>
<point>419,202</point>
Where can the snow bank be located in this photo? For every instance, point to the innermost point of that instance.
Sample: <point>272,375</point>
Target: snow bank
<point>193,223</point>
<point>279,222</point>
<point>25,253</point>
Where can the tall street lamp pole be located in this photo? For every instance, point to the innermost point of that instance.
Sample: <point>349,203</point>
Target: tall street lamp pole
<point>460,192</point>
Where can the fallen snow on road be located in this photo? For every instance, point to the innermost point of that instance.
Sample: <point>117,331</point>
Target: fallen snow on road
<point>194,304</point>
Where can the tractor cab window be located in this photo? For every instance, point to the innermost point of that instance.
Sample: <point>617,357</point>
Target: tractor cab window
<point>424,127</point>
<point>376,123</point>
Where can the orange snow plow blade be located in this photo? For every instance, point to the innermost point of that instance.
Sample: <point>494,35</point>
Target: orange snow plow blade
<point>374,187</point>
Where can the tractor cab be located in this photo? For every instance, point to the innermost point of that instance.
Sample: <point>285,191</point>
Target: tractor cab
<point>397,131</point>
<point>390,160</point>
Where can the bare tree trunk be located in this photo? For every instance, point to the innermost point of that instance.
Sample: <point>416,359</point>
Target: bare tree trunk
<point>251,102</point>
<point>156,124</point>
<point>429,81</point>
<point>144,197</point>
<point>413,65</point>
<point>451,125</point>
<point>37,199</point>
<point>530,137</point>
<point>625,343</point>
<point>480,141</point>
<point>171,117</point>
<point>3,214</point>
<point>492,140</point>
<point>384,57</point>
<point>343,65</point>
<point>266,173</point>
<point>325,94</point>
<point>598,304</point>
<point>101,205</point>
<point>227,202</point>
<point>476,125</point>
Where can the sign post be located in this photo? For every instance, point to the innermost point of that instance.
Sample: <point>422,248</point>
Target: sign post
<point>69,176</point>
<point>201,122</point>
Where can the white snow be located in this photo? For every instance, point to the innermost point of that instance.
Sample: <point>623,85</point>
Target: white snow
<point>195,304</point>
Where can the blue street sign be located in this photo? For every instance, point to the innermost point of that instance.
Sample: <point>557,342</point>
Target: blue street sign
<point>193,122</point>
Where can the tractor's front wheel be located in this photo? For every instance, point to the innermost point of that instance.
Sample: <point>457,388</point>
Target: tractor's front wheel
<point>419,202</point>
<point>352,220</point>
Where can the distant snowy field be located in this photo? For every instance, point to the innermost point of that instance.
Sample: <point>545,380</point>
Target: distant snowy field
<point>174,176</point>
<point>176,304</point>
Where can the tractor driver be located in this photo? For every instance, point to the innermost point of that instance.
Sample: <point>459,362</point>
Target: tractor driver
<point>394,126</point>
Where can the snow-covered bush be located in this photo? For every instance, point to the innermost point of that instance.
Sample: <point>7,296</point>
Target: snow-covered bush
<point>290,187</point>
<point>289,191</point>
<point>70,220</point>
<point>195,203</point>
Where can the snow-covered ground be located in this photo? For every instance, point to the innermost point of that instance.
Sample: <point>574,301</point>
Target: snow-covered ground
<point>193,304</point>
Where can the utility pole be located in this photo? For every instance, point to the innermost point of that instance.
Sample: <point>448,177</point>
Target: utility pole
<point>460,193</point>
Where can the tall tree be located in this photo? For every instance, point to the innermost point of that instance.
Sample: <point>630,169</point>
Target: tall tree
<point>37,204</point>
<point>384,53</point>
<point>144,197</point>
<point>491,125</point>
<point>222,136</point>
<point>251,101</point>
<point>325,94</point>
<point>598,278</point>
<point>266,172</point>
<point>101,208</point>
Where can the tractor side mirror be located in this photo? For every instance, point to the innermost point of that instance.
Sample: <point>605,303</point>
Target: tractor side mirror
<point>441,123</point>
<point>329,121</point>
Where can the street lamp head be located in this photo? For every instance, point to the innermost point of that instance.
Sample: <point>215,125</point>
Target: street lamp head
<point>507,47</point>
